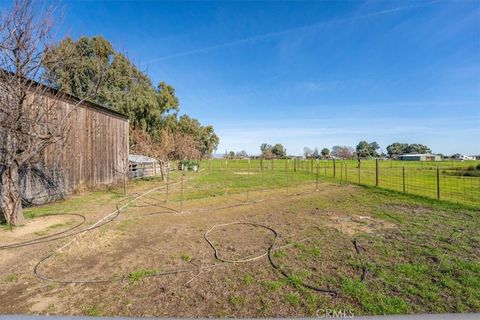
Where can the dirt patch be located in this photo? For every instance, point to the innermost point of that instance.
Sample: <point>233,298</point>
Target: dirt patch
<point>40,226</point>
<point>243,173</point>
<point>44,305</point>
<point>408,208</point>
<point>353,224</point>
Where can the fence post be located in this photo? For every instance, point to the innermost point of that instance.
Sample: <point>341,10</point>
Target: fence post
<point>286,171</point>
<point>358,171</point>
<point>168,182</point>
<point>248,177</point>
<point>326,167</point>
<point>403,178</point>
<point>334,169</point>
<point>225,181</point>
<point>341,171</point>
<point>377,170</point>
<point>317,175</point>
<point>438,183</point>
<point>261,169</point>
<point>181,191</point>
<point>346,173</point>
<point>271,168</point>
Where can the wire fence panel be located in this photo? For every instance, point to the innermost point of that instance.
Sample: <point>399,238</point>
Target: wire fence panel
<point>441,181</point>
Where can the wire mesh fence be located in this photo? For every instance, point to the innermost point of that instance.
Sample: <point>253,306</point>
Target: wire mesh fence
<point>433,181</point>
<point>39,185</point>
<point>244,176</point>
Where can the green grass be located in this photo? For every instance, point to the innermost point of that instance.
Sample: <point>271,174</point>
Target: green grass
<point>273,285</point>
<point>12,277</point>
<point>415,177</point>
<point>374,302</point>
<point>293,299</point>
<point>248,279</point>
<point>236,300</point>
<point>138,275</point>
<point>427,263</point>
<point>93,311</point>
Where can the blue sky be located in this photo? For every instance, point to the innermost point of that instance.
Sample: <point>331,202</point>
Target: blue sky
<point>307,73</point>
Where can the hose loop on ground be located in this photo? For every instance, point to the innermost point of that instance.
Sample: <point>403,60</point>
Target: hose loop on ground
<point>268,253</point>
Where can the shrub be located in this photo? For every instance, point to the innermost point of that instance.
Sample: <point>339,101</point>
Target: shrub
<point>190,164</point>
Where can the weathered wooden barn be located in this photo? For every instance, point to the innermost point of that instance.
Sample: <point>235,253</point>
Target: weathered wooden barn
<point>94,152</point>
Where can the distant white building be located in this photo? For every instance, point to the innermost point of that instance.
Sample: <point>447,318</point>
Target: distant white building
<point>420,157</point>
<point>463,157</point>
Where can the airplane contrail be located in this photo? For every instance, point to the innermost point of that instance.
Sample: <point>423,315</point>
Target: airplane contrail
<point>284,32</point>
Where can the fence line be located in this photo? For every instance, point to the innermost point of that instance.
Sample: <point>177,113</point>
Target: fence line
<point>426,180</point>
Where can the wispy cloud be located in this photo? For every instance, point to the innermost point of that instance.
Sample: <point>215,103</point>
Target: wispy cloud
<point>271,35</point>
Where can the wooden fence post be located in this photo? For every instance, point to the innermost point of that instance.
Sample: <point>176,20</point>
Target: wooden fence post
<point>168,182</point>
<point>317,175</point>
<point>181,190</point>
<point>403,178</point>
<point>377,170</point>
<point>248,177</point>
<point>358,171</point>
<point>261,170</point>
<point>286,172</point>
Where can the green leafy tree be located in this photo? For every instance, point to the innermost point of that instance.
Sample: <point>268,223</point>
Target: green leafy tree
<point>205,137</point>
<point>417,148</point>
<point>325,152</point>
<point>396,149</point>
<point>266,150</point>
<point>367,150</point>
<point>279,151</point>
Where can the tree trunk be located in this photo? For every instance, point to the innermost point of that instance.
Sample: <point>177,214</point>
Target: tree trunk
<point>11,198</point>
<point>162,169</point>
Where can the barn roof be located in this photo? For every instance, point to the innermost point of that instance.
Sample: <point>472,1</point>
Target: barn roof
<point>138,158</point>
<point>416,154</point>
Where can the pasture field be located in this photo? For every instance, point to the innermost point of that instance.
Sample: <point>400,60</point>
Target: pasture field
<point>415,177</point>
<point>301,247</point>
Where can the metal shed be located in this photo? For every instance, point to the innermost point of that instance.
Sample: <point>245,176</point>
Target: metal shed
<point>420,157</point>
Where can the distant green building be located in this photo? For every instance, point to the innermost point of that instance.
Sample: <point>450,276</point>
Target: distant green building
<point>420,157</point>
